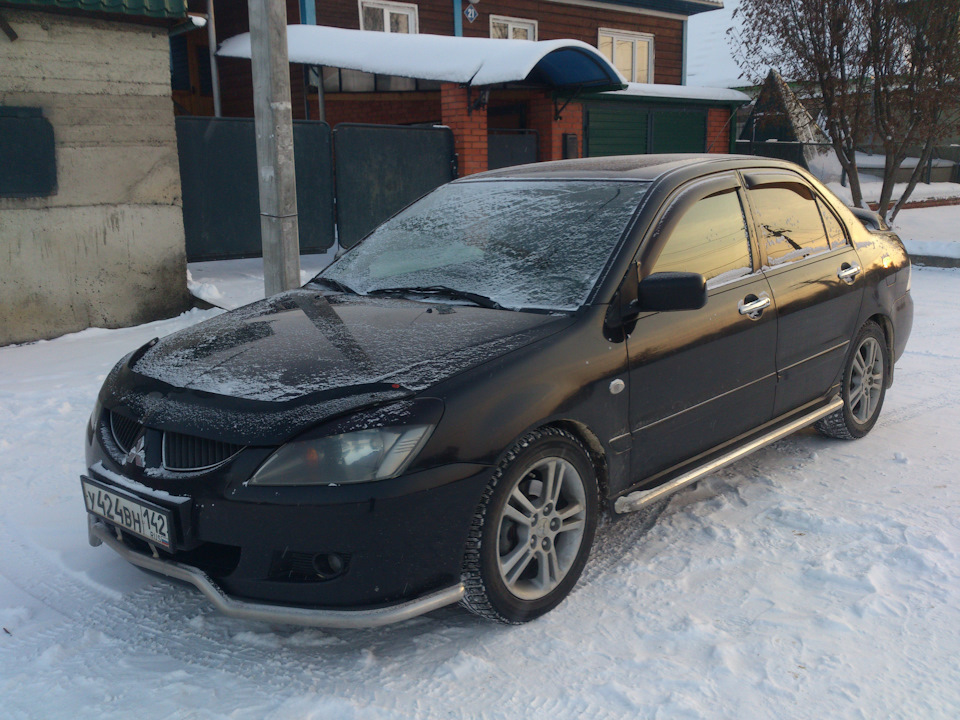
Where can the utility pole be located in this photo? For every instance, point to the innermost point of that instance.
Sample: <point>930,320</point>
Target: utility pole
<point>274,126</point>
<point>214,72</point>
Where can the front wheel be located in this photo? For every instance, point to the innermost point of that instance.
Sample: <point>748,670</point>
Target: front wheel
<point>864,387</point>
<point>532,532</point>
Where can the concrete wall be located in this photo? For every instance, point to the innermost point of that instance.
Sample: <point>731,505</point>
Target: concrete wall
<point>107,249</point>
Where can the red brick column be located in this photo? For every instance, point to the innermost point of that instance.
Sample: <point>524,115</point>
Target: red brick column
<point>551,131</point>
<point>718,130</point>
<point>469,127</point>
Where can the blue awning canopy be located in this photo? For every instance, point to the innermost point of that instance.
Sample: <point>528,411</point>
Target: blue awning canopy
<point>560,64</point>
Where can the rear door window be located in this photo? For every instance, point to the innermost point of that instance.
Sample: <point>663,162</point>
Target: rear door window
<point>835,232</point>
<point>788,222</point>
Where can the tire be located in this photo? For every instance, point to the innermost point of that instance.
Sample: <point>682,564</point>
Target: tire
<point>531,535</point>
<point>864,386</point>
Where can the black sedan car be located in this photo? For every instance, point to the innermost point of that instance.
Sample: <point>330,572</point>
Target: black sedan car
<point>442,414</point>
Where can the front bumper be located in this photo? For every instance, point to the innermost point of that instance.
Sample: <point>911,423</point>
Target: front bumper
<point>401,543</point>
<point>246,610</point>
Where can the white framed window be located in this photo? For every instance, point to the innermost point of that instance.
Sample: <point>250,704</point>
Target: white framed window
<point>394,17</point>
<point>511,28</point>
<point>629,52</point>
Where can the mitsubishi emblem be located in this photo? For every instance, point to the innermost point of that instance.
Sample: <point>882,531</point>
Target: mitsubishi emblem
<point>137,454</point>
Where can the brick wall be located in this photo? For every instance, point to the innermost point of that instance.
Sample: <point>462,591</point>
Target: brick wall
<point>718,130</point>
<point>469,128</point>
<point>541,119</point>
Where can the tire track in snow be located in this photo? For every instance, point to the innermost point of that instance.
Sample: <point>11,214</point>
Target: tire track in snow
<point>428,667</point>
<point>277,663</point>
<point>154,618</point>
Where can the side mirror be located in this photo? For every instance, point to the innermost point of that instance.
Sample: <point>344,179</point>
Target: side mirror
<point>672,291</point>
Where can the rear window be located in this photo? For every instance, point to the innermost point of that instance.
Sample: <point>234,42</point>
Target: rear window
<point>788,222</point>
<point>835,232</point>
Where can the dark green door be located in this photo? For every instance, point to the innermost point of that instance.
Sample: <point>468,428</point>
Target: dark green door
<point>678,131</point>
<point>616,130</point>
<point>620,129</point>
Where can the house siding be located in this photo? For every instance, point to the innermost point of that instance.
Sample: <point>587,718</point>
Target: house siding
<point>236,78</point>
<point>555,21</point>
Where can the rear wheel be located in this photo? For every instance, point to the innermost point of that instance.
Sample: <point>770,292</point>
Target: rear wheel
<point>864,387</point>
<point>533,530</point>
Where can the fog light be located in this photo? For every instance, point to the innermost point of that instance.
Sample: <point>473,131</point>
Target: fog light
<point>328,565</point>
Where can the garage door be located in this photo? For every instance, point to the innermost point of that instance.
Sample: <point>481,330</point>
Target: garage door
<point>615,130</point>
<point>631,130</point>
<point>678,131</point>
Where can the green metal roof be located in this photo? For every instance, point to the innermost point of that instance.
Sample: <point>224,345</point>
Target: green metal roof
<point>144,8</point>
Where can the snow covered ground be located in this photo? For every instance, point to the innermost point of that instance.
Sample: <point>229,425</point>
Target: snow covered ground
<point>232,283</point>
<point>934,232</point>
<point>871,188</point>
<point>814,579</point>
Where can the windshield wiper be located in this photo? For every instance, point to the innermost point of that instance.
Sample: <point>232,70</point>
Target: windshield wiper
<point>335,284</point>
<point>441,290</point>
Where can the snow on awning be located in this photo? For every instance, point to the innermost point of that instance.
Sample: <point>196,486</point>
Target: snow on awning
<point>681,92</point>
<point>467,61</point>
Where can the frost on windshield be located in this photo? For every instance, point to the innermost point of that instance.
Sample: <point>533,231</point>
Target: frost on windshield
<point>523,244</point>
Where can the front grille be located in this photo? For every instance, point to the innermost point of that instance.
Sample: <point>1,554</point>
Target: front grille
<point>186,452</point>
<point>124,431</point>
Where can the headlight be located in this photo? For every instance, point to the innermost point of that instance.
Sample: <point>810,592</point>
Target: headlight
<point>354,457</point>
<point>95,415</point>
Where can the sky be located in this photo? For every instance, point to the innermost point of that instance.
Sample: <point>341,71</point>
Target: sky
<point>710,60</point>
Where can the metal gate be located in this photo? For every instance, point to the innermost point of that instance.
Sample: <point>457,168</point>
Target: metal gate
<point>512,147</point>
<point>221,199</point>
<point>383,168</point>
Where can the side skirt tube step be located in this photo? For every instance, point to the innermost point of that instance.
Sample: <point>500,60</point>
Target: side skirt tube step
<point>246,610</point>
<point>642,498</point>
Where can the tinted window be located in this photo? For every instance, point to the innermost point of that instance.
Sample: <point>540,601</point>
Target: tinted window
<point>788,221</point>
<point>835,233</point>
<point>710,239</point>
<point>522,243</point>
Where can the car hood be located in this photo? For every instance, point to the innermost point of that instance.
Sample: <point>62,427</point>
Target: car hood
<point>290,361</point>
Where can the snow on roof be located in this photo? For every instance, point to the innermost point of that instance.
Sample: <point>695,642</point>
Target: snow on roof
<point>684,92</point>
<point>474,61</point>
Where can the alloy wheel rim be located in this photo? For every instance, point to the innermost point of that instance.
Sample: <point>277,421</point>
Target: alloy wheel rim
<point>541,528</point>
<point>866,380</point>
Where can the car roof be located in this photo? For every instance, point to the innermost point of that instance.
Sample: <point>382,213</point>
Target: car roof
<point>626,167</point>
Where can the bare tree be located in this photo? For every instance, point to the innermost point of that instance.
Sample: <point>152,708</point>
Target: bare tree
<point>914,56</point>
<point>824,43</point>
<point>884,70</point>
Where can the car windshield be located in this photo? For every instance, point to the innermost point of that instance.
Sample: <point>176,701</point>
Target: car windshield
<point>514,244</point>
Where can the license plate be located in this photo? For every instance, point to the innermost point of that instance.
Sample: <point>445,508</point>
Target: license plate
<point>149,522</point>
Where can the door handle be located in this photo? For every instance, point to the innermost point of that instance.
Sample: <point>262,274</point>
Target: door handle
<point>848,273</point>
<point>753,306</point>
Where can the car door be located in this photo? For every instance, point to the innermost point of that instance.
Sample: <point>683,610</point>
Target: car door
<point>816,279</point>
<point>701,377</point>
